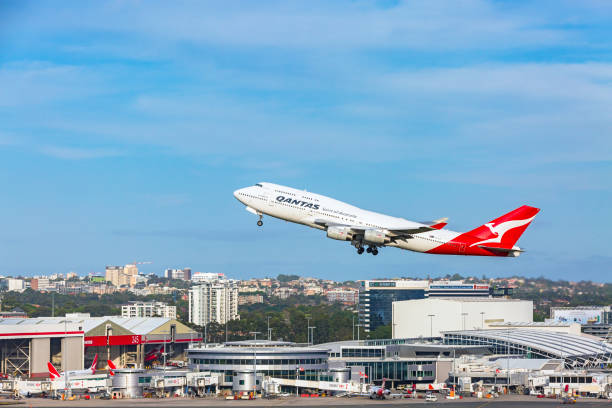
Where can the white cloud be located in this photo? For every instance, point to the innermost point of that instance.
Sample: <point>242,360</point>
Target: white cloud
<point>32,83</point>
<point>419,25</point>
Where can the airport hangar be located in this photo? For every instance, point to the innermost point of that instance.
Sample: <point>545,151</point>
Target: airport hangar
<point>26,345</point>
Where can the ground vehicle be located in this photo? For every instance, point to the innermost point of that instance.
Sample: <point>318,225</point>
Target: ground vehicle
<point>568,400</point>
<point>430,398</point>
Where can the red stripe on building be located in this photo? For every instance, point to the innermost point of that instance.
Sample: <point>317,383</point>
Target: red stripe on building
<point>125,340</point>
<point>40,333</point>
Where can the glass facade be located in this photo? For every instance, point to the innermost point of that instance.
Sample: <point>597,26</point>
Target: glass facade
<point>398,371</point>
<point>363,352</point>
<point>279,362</point>
<point>375,305</point>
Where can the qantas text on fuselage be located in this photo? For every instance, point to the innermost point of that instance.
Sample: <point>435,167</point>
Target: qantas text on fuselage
<point>367,230</point>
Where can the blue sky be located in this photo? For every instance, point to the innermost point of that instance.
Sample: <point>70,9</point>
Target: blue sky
<point>126,125</point>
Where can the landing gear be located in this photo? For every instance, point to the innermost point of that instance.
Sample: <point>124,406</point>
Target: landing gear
<point>260,222</point>
<point>372,250</point>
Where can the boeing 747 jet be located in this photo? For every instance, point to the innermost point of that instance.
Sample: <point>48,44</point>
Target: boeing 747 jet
<point>369,231</point>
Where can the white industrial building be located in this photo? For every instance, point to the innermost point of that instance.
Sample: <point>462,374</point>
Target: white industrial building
<point>213,301</point>
<point>430,317</point>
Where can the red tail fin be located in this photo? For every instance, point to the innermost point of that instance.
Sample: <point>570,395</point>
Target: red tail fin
<point>503,232</point>
<point>94,365</point>
<point>111,367</point>
<point>52,371</point>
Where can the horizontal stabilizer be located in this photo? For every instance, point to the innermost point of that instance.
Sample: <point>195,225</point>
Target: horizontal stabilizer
<point>437,224</point>
<point>516,251</point>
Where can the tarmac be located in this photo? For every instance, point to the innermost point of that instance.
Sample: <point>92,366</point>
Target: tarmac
<point>514,401</point>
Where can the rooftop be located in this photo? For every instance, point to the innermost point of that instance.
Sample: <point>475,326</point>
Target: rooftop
<point>564,345</point>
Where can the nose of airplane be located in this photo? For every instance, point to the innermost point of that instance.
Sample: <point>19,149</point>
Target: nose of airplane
<point>237,194</point>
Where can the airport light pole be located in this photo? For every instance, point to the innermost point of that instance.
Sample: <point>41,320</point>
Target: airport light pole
<point>255,333</point>
<point>312,336</point>
<point>431,316</point>
<point>269,330</point>
<point>508,358</point>
<point>67,371</point>
<point>482,320</point>
<point>165,353</point>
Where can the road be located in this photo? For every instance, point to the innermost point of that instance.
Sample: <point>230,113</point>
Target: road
<point>330,402</point>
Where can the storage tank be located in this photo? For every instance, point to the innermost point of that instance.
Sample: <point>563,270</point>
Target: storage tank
<point>341,375</point>
<point>243,381</point>
<point>127,381</point>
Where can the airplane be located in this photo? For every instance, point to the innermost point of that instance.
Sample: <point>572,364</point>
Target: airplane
<point>54,374</point>
<point>373,230</point>
<point>154,354</point>
<point>381,392</point>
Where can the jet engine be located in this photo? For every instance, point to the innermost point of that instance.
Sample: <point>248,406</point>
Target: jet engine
<point>374,236</point>
<point>339,233</point>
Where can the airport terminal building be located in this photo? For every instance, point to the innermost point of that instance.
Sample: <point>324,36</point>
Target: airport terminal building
<point>377,296</point>
<point>270,358</point>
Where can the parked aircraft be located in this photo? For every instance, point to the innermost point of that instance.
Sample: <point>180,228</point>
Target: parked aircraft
<point>54,374</point>
<point>381,392</point>
<point>154,354</point>
<point>368,231</point>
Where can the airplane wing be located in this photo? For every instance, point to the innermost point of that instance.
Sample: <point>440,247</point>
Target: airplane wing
<point>394,232</point>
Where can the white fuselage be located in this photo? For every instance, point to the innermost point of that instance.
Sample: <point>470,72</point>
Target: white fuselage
<point>310,209</point>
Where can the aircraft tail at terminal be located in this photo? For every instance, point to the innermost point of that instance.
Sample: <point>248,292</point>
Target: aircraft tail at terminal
<point>111,367</point>
<point>54,374</point>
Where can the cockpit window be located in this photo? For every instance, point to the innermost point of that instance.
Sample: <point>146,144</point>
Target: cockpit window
<point>258,185</point>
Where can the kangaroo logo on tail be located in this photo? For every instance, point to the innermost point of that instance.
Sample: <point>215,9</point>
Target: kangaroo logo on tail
<point>111,367</point>
<point>53,371</point>
<point>500,229</point>
<point>94,365</point>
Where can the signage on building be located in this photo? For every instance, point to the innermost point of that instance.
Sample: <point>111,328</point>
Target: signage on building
<point>582,316</point>
<point>382,284</point>
<point>125,340</point>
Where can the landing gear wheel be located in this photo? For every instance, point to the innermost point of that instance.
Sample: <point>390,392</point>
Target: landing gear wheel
<point>369,250</point>
<point>360,250</point>
<point>259,223</point>
<point>375,251</point>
